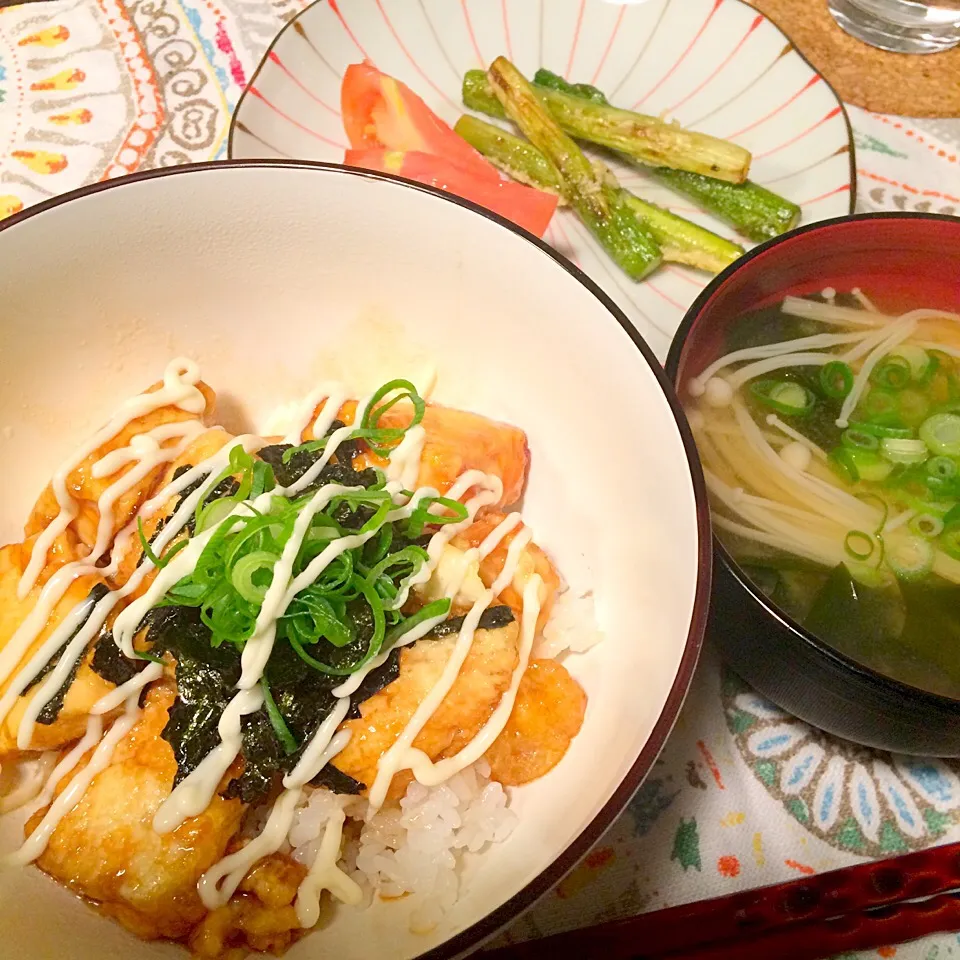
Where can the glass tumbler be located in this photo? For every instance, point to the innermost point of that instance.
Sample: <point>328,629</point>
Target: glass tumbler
<point>903,26</point>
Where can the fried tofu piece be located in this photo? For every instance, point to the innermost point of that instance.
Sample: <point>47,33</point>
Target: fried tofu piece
<point>532,560</point>
<point>482,681</point>
<point>455,441</point>
<point>106,850</point>
<point>86,489</point>
<point>204,447</point>
<point>546,716</point>
<point>260,916</point>
<point>86,687</point>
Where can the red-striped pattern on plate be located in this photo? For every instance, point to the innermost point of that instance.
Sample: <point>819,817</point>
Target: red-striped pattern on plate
<point>714,65</point>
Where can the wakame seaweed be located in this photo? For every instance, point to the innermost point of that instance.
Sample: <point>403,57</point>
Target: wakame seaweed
<point>51,709</point>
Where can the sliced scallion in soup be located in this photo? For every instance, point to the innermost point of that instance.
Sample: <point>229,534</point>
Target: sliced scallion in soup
<point>830,438</point>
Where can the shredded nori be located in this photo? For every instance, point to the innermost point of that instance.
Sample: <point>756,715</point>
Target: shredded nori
<point>111,663</point>
<point>338,470</point>
<point>225,488</point>
<point>51,709</point>
<point>206,683</point>
<point>491,619</point>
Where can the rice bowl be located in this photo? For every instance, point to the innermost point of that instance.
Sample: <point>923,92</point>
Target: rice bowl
<point>284,262</point>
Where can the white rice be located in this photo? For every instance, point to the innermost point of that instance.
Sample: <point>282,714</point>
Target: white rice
<point>572,626</point>
<point>415,847</point>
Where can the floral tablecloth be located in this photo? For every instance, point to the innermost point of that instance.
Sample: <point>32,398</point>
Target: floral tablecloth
<point>743,795</point>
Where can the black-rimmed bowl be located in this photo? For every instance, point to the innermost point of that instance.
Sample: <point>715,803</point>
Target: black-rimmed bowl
<point>902,261</point>
<point>277,276</point>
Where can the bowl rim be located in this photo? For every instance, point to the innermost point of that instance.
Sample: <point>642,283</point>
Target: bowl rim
<point>874,678</point>
<point>488,926</point>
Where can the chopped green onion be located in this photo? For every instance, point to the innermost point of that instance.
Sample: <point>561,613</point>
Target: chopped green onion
<point>910,558</point>
<point>880,406</point>
<point>949,542</point>
<point>276,720</point>
<point>918,360</point>
<point>880,430</point>
<point>941,433</point>
<point>952,516</point>
<point>858,545</point>
<point>158,562</point>
<point>926,525</point>
<point>389,436</point>
<point>246,569</point>
<point>859,440</point>
<point>892,372</point>
<point>784,396</point>
<point>437,608</point>
<point>942,468</point>
<point>855,463</point>
<point>836,379</point>
<point>913,406</point>
<point>153,658</point>
<point>903,450</point>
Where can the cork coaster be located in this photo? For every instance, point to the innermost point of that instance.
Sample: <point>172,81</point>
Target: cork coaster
<point>912,86</point>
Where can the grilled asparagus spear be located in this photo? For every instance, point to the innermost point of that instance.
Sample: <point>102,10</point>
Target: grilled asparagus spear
<point>647,139</point>
<point>598,204</point>
<point>680,240</point>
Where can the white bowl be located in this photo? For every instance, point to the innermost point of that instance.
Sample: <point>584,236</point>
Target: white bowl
<point>274,276</point>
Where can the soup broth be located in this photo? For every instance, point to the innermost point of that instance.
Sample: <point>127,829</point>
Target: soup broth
<point>830,438</point>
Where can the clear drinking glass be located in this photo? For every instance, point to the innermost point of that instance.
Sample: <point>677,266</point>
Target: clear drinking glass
<point>903,26</point>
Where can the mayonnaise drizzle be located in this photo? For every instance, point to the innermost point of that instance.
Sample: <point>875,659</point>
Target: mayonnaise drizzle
<point>401,754</point>
<point>326,875</point>
<point>193,795</point>
<point>32,775</point>
<point>179,390</point>
<point>334,395</point>
<point>429,773</point>
<point>36,843</point>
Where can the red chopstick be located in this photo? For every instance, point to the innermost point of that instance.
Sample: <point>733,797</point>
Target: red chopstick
<point>801,919</point>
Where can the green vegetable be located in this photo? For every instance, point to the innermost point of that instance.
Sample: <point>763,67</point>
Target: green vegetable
<point>942,468</point>
<point>892,372</point>
<point>784,396</point>
<point>647,139</point>
<point>921,364</point>
<point>853,464</point>
<point>836,379</point>
<point>910,558</point>
<point>927,525</point>
<point>858,545</point>
<point>680,240</point>
<point>880,430</point>
<point>276,719</point>
<point>941,434</point>
<point>600,205</point>
<point>756,212</point>
<point>859,440</point>
<point>904,450</point>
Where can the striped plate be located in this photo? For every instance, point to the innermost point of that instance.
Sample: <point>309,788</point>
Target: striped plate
<point>714,65</point>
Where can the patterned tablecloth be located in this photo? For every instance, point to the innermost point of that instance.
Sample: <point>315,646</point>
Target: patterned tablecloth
<point>743,795</point>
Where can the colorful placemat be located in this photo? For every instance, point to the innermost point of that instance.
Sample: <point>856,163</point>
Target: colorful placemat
<point>922,86</point>
<point>743,795</point>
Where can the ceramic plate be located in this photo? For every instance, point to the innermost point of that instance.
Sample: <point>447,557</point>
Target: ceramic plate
<point>714,65</point>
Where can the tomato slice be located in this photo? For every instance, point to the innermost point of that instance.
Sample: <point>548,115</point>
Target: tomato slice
<point>379,111</point>
<point>524,206</point>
